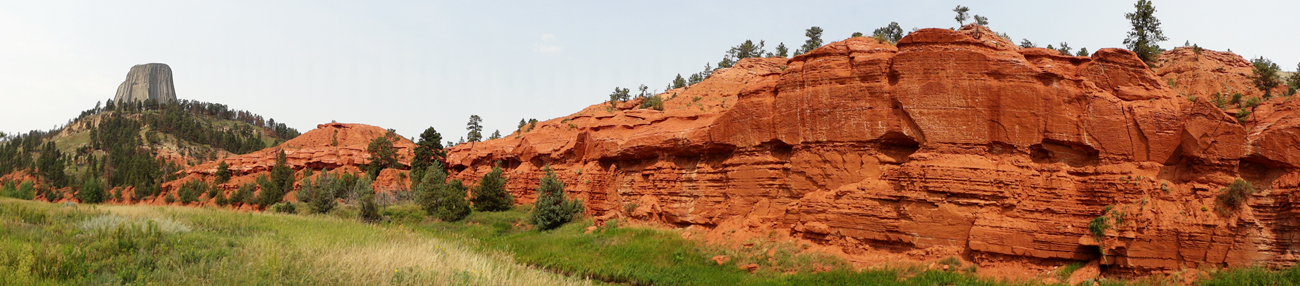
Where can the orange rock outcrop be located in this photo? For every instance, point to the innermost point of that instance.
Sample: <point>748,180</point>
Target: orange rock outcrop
<point>333,146</point>
<point>951,140</point>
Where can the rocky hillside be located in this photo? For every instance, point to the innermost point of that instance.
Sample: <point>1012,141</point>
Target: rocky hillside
<point>947,143</point>
<point>336,147</point>
<point>136,144</point>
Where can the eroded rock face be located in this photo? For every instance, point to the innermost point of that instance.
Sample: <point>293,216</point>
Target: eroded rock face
<point>338,147</point>
<point>147,81</point>
<point>950,139</point>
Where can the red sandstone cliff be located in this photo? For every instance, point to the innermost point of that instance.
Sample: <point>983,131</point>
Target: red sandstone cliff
<point>955,141</point>
<point>332,146</point>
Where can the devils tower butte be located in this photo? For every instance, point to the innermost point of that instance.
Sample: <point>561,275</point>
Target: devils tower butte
<point>147,81</point>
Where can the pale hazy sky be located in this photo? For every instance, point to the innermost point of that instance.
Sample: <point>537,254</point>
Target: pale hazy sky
<point>409,65</point>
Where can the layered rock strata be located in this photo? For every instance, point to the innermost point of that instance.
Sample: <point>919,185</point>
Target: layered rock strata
<point>946,139</point>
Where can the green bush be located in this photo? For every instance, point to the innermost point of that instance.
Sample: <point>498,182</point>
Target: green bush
<point>490,195</point>
<point>25,191</point>
<point>451,204</point>
<point>190,191</point>
<point>1098,227</point>
<point>8,189</point>
<point>243,195</point>
<point>551,210</point>
<point>92,191</point>
<point>369,209</point>
<point>321,193</point>
<point>1233,196</point>
<point>444,201</point>
<point>277,185</point>
<point>653,102</point>
<point>1265,74</point>
<point>284,207</point>
<point>223,172</point>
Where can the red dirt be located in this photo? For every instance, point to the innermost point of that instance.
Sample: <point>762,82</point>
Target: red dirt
<point>950,143</point>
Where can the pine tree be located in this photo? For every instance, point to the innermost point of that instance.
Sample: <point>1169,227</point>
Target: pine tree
<point>679,82</point>
<point>428,149</point>
<point>50,165</point>
<point>1025,43</point>
<point>1266,75</point>
<point>814,41</point>
<point>551,210</point>
<point>782,51</point>
<point>490,195</point>
<point>1293,82</point>
<point>961,14</point>
<point>1083,52</point>
<point>444,201</point>
<point>496,134</point>
<point>92,191</point>
<point>475,128</point>
<point>322,197</point>
<point>279,184</point>
<point>619,95</point>
<point>981,20</point>
<point>1146,35</point>
<point>892,32</point>
<point>382,154</point>
<point>1064,49</point>
<point>223,172</point>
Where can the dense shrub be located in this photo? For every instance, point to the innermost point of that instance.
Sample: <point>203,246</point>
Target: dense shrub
<point>284,207</point>
<point>653,102</point>
<point>382,154</point>
<point>278,185</point>
<point>24,191</point>
<point>369,209</point>
<point>320,193</point>
<point>1233,196</point>
<point>446,201</point>
<point>551,210</point>
<point>490,195</point>
<point>92,191</point>
<point>243,195</point>
<point>1265,74</point>
<point>190,191</point>
<point>223,172</point>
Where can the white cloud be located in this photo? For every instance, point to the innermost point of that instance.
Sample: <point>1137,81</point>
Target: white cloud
<point>545,46</point>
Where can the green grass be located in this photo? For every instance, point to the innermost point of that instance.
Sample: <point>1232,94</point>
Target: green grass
<point>54,244</point>
<point>49,244</point>
<point>1254,276</point>
<point>643,256</point>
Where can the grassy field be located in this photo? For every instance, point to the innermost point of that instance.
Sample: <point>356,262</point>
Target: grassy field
<point>56,244</point>
<point>643,256</point>
<point>48,244</point>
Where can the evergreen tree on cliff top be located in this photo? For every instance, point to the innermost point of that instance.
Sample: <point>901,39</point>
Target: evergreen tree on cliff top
<point>814,41</point>
<point>475,128</point>
<point>491,194</point>
<point>961,14</point>
<point>1146,35</point>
